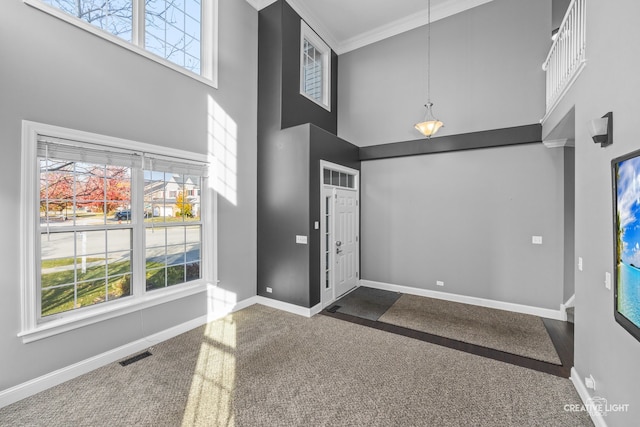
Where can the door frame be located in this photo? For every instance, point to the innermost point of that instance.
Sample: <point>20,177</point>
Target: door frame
<point>329,190</point>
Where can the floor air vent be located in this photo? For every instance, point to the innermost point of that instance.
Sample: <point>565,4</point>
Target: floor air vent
<point>333,309</point>
<point>135,358</point>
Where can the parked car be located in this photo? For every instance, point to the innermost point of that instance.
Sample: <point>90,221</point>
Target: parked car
<point>126,215</point>
<point>120,215</point>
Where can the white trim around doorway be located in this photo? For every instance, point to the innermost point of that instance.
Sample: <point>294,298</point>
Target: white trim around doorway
<point>325,190</point>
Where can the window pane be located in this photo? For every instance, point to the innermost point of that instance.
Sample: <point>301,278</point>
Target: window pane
<point>193,271</point>
<point>119,263</point>
<point>176,251</point>
<point>155,279</point>
<point>113,16</point>
<point>119,286</point>
<point>56,300</point>
<point>90,293</point>
<point>119,240</point>
<point>89,270</point>
<point>175,255</point>
<point>156,237</point>
<point>335,178</point>
<point>172,31</point>
<point>175,236</point>
<point>175,275</point>
<point>57,246</point>
<point>193,252</point>
<point>74,264</point>
<point>312,71</point>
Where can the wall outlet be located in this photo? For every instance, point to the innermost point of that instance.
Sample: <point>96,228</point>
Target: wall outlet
<point>589,382</point>
<point>301,240</point>
<point>269,290</point>
<point>607,280</point>
<point>439,283</point>
<point>536,240</point>
<point>579,263</point>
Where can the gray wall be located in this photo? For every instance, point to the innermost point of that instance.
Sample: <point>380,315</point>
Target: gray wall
<point>467,218</point>
<point>569,222</point>
<point>295,135</point>
<point>558,10</point>
<point>486,74</point>
<point>608,83</point>
<point>55,73</point>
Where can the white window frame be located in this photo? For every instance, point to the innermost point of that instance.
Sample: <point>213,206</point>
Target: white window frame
<point>307,33</point>
<point>208,29</point>
<point>31,328</point>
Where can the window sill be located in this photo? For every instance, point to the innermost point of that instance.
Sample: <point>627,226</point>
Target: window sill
<point>110,311</point>
<point>37,4</point>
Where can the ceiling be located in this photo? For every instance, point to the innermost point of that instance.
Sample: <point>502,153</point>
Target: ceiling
<point>346,25</point>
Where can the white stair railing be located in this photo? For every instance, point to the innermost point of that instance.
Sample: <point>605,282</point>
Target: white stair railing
<point>567,55</point>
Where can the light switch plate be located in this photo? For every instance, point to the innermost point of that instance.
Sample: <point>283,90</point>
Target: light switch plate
<point>301,240</point>
<point>536,240</point>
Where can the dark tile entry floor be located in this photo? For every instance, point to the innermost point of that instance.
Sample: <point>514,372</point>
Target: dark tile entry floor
<point>364,306</point>
<point>367,303</point>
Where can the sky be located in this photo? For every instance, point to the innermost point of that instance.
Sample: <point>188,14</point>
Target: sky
<point>628,205</point>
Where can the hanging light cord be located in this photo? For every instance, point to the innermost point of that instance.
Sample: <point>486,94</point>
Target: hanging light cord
<point>428,53</point>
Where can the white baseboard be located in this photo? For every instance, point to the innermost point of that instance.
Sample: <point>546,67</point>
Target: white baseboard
<point>596,417</point>
<point>290,308</point>
<point>67,373</point>
<point>221,303</point>
<point>508,306</point>
<point>563,307</point>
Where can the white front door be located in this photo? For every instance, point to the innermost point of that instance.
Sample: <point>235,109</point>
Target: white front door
<point>345,241</point>
<point>340,224</point>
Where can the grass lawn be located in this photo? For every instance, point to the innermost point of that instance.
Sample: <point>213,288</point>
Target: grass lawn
<point>61,262</point>
<point>59,291</point>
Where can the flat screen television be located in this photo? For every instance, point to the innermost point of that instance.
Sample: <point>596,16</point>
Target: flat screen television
<point>626,210</point>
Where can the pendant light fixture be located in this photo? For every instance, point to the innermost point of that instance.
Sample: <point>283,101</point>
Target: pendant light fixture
<point>430,125</point>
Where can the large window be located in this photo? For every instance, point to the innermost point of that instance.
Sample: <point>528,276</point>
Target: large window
<point>315,67</point>
<point>178,33</point>
<point>113,222</point>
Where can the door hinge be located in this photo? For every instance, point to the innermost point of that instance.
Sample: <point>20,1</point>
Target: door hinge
<point>356,238</point>
<point>356,274</point>
<point>357,203</point>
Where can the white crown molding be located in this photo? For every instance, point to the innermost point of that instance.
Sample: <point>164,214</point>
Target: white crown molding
<point>441,11</point>
<point>260,4</point>
<point>559,143</point>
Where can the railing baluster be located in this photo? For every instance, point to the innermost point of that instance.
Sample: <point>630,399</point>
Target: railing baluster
<point>567,52</point>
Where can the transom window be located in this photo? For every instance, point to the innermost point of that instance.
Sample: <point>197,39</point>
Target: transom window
<point>176,32</point>
<point>315,67</point>
<point>339,179</point>
<point>112,224</point>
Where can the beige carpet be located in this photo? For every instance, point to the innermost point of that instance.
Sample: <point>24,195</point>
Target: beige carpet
<point>263,367</point>
<point>514,333</point>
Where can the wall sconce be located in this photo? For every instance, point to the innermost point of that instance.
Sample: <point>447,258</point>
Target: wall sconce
<point>601,130</point>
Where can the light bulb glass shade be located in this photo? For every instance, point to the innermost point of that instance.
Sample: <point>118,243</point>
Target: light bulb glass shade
<point>598,127</point>
<point>428,128</point>
<point>430,125</point>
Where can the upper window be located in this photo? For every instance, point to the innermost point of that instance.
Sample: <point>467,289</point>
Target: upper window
<point>105,230</point>
<point>315,67</point>
<point>178,33</point>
